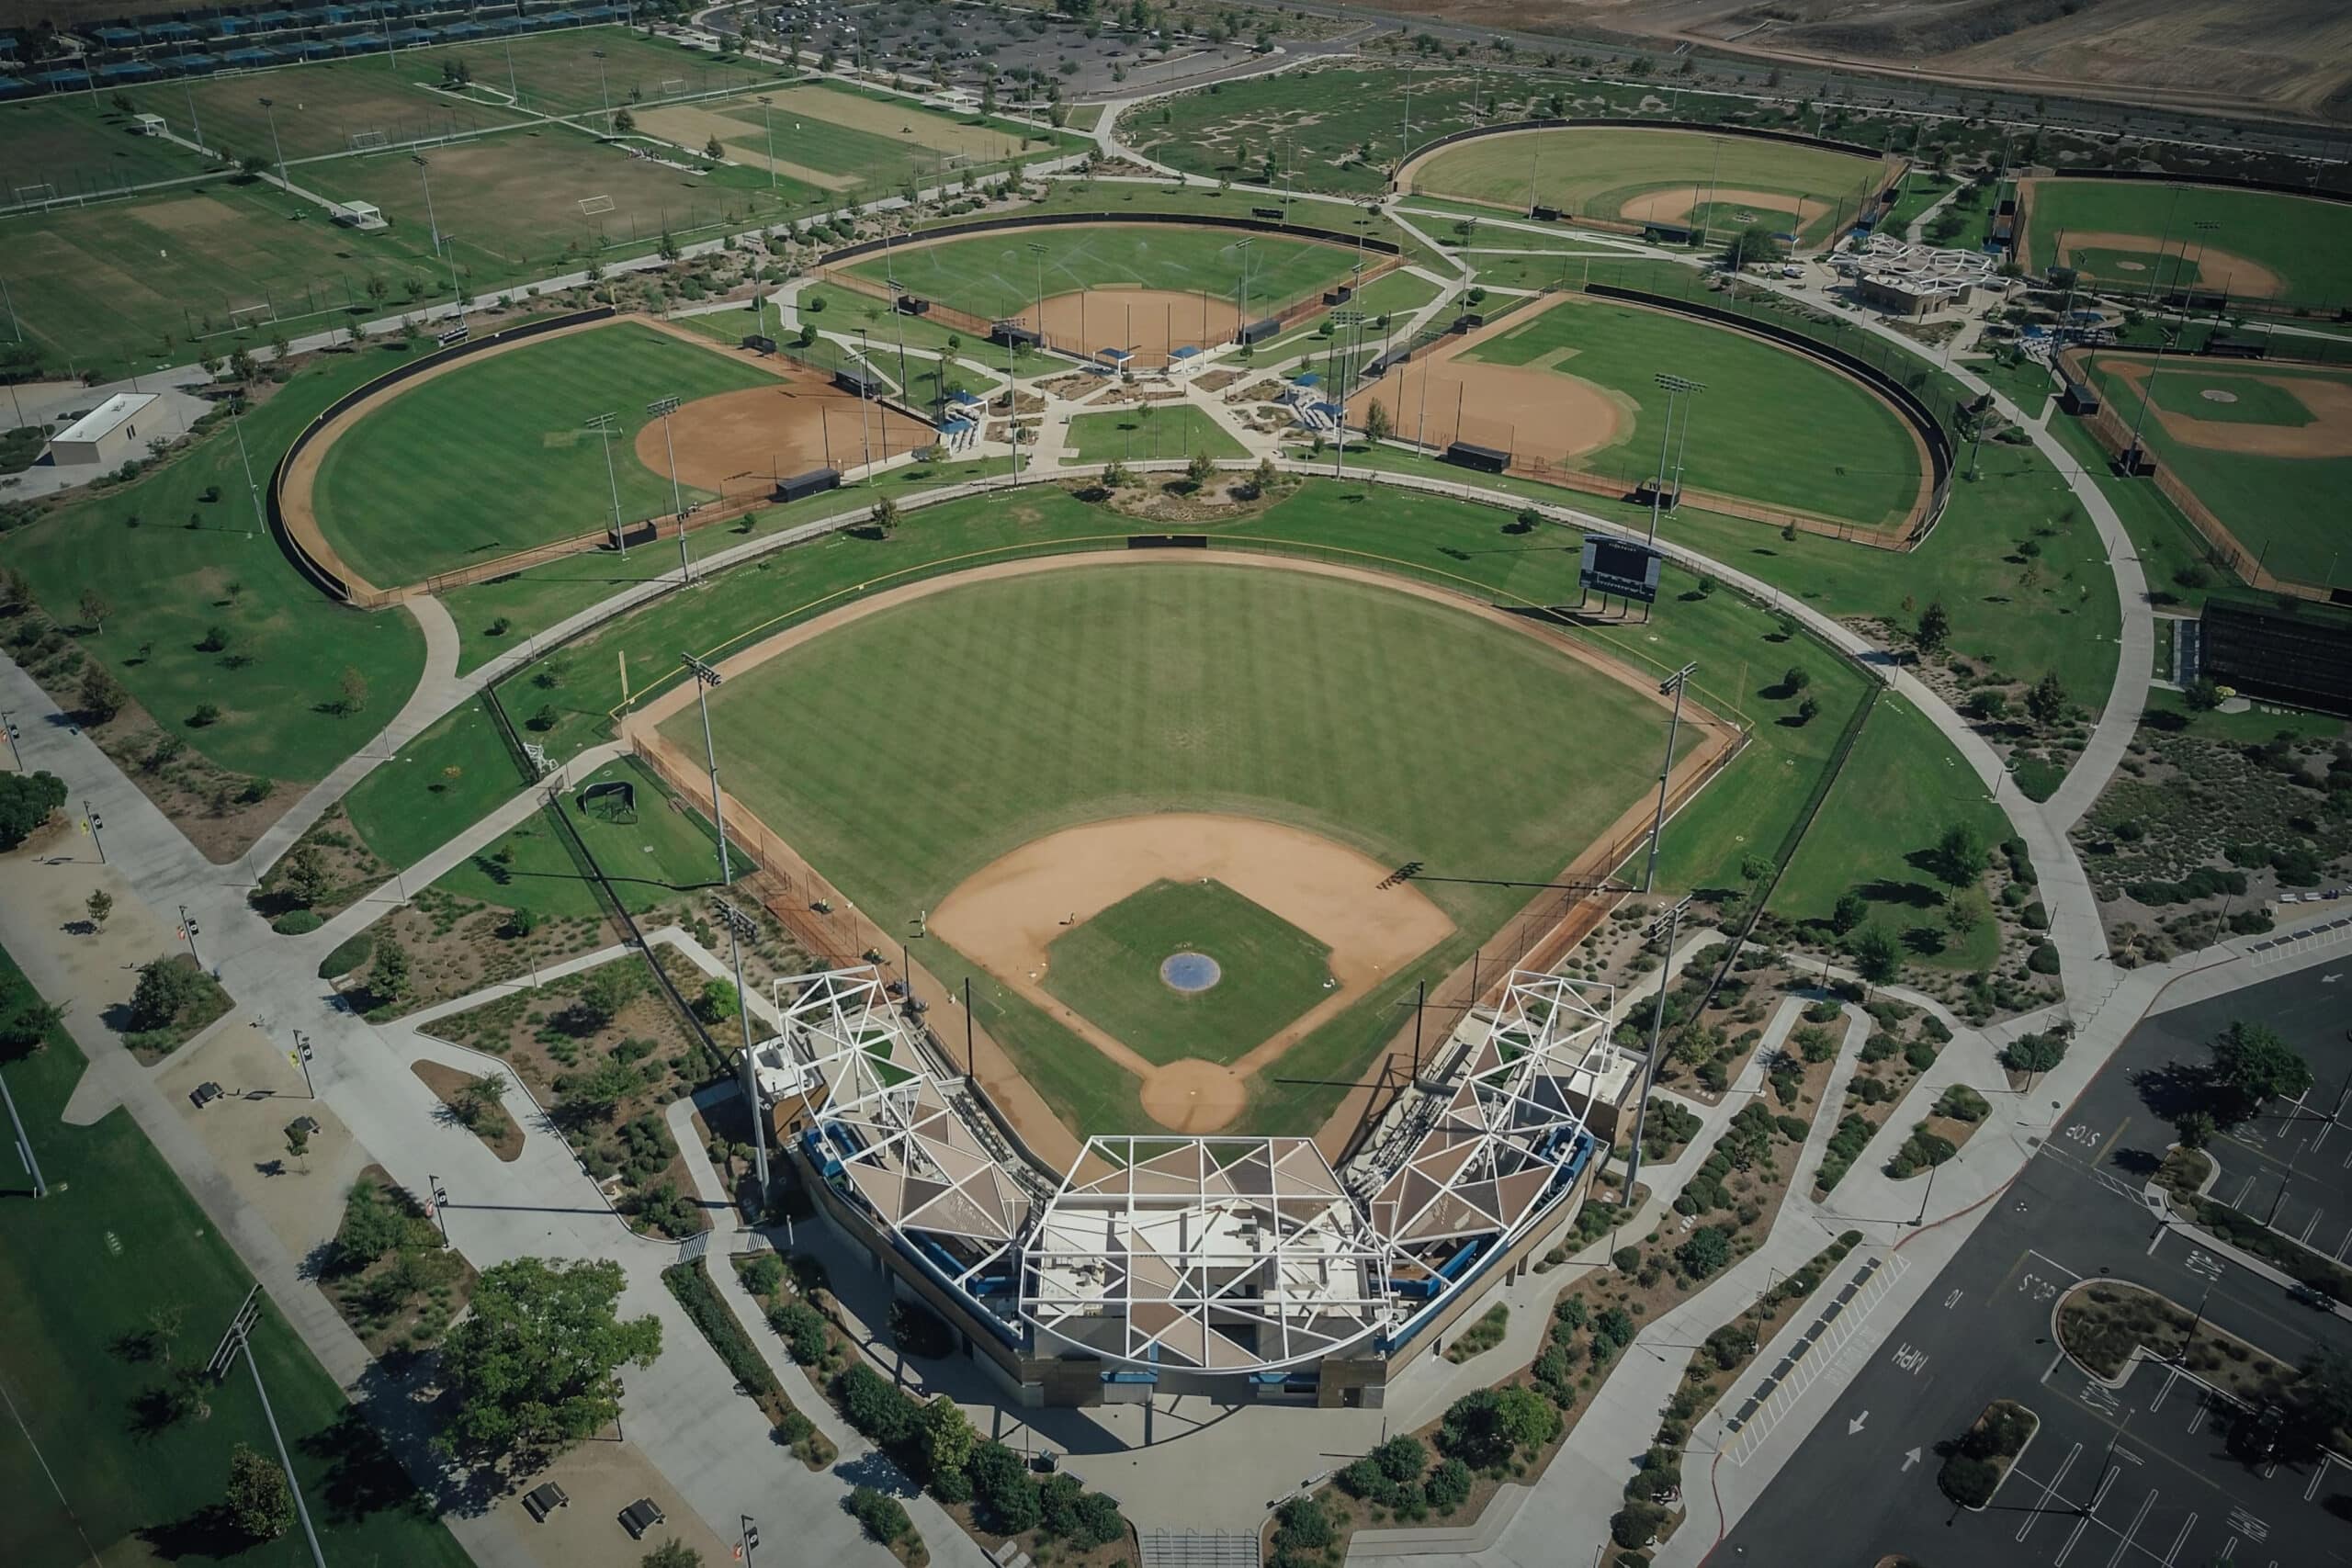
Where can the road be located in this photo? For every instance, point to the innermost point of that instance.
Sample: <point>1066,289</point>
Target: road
<point>2138,1475</point>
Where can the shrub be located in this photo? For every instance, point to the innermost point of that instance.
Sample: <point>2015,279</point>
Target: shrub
<point>296,923</point>
<point>1920,1055</point>
<point>1626,1258</point>
<point>884,1516</point>
<point>1300,1524</point>
<point>1705,1253</point>
<point>1969,1481</point>
<point>1448,1487</point>
<point>802,1329</point>
<point>2033,1052</point>
<point>348,956</point>
<point>2044,959</point>
<point>1636,1524</point>
<point>885,1416</point>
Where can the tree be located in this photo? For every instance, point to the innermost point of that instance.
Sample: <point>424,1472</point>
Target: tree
<point>1375,421</point>
<point>623,123</point>
<point>719,1002</point>
<point>1795,679</point>
<point>96,610</point>
<point>298,1139</point>
<point>713,152</point>
<point>303,876</point>
<point>1199,468</point>
<point>387,978</point>
<point>1934,629</point>
<point>2253,1063</point>
<point>166,988</point>
<point>26,801</point>
<point>1808,710</point>
<point>1264,477</point>
<point>102,695</point>
<point>478,1103</point>
<point>352,691</point>
<point>1705,1253</point>
<point>1756,242</point>
<point>258,1501</point>
<point>886,516</point>
<point>2047,701</point>
<point>1876,957</point>
<point>947,1437</point>
<point>534,1367</point>
<point>98,906</point>
<point>1849,911</point>
<point>674,1552</point>
<point>1967,909</point>
<point>1114,475</point>
<point>1960,855</point>
<point>608,988</point>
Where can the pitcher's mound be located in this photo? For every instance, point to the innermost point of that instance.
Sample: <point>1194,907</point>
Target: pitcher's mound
<point>1193,1096</point>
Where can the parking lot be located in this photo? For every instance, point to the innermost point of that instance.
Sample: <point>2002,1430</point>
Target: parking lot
<point>2143,1474</point>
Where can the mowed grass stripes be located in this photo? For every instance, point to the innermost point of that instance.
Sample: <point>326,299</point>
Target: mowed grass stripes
<point>493,456</point>
<point>999,275</point>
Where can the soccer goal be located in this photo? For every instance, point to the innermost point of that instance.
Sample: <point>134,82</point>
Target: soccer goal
<point>590,205</point>
<point>251,315</point>
<point>369,140</point>
<point>673,86</point>
<point>24,195</point>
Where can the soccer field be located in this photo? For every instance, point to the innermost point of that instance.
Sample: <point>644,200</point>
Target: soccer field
<point>2150,234</point>
<point>1029,703</point>
<point>1640,175</point>
<point>999,274</point>
<point>492,457</point>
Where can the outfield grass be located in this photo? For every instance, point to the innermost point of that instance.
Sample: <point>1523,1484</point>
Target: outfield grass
<point>1771,427</point>
<point>2305,242</point>
<point>2286,512</point>
<point>1108,968</point>
<point>1877,832</point>
<point>1145,431</point>
<point>84,1274</point>
<point>667,850</point>
<point>1598,171</point>
<point>169,584</point>
<point>997,274</point>
<point>1076,695</point>
<point>491,457</point>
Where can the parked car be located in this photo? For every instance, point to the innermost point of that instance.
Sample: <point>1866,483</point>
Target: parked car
<point>641,1516</point>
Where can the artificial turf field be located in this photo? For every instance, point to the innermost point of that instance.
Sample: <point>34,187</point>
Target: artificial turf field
<point>998,275</point>
<point>83,1273</point>
<point>1772,425</point>
<point>1022,705</point>
<point>2287,511</point>
<point>1108,968</point>
<point>2305,242</point>
<point>1596,171</point>
<point>492,457</point>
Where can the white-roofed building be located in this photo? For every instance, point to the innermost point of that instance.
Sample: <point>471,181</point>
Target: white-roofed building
<point>110,435</point>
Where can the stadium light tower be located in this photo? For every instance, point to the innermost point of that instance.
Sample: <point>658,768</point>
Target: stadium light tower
<point>1673,684</point>
<point>1039,252</point>
<point>662,409</point>
<point>1345,375</point>
<point>603,425</point>
<point>739,926</point>
<point>706,676</point>
<point>271,105</point>
<point>1675,386</point>
<point>240,1337</point>
<point>430,221</point>
<point>1243,247</point>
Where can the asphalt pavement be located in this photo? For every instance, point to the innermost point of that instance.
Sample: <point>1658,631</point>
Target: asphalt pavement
<point>2114,1478</point>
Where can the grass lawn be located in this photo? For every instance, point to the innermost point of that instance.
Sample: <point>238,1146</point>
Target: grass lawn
<point>78,146</point>
<point>1860,844</point>
<point>997,274</point>
<point>2287,511</point>
<point>492,458</point>
<point>1269,971</point>
<point>2306,242</point>
<point>1146,429</point>
<point>1771,427</point>
<point>321,106</point>
<point>668,848</point>
<point>1076,695</point>
<point>168,584</point>
<point>85,1274</point>
<point>1598,171</point>
<point>452,775</point>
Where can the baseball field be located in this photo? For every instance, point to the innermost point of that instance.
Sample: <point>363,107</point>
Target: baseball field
<point>1092,763</point>
<point>1572,386</point>
<point>1640,175</point>
<point>2149,234</point>
<point>2266,447</point>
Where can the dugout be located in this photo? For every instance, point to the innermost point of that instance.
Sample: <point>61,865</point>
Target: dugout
<point>1339,296</point>
<point>857,384</point>
<point>816,481</point>
<point>1485,459</point>
<point>2300,657</point>
<point>1012,335</point>
<point>1271,214</point>
<point>2076,394</point>
<point>1545,214</point>
<point>2234,345</point>
<point>1469,321</point>
<point>760,342</point>
<point>912,305</point>
<point>1259,332</point>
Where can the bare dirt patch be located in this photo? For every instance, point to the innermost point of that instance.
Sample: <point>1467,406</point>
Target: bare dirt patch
<point>739,443</point>
<point>1674,206</point>
<point>695,128</point>
<point>1443,397</point>
<point>1005,917</point>
<point>2328,435</point>
<point>920,127</point>
<point>497,1129</point>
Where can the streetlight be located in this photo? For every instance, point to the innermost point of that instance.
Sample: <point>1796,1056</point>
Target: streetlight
<point>604,91</point>
<point>751,1539</point>
<point>440,1204</point>
<point>706,676</point>
<point>1671,922</point>
<point>662,409</point>
<point>1675,386</point>
<point>188,930</point>
<point>1674,685</point>
<point>1346,376</point>
<point>271,105</point>
<point>10,720</point>
<point>431,222</point>
<point>1243,247</point>
<point>1039,252</point>
<point>739,926</point>
<point>237,423</point>
<point>90,815</point>
<point>2131,455</point>
<point>302,1060</point>
<point>240,1337</point>
<point>603,425</point>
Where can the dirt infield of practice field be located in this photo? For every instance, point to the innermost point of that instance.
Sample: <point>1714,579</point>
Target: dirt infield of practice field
<point>1006,916</point>
<point>1674,206</point>
<point>694,129</point>
<point>2329,435</point>
<point>1034,888</point>
<point>762,433</point>
<point>1488,404</point>
<point>1151,324</point>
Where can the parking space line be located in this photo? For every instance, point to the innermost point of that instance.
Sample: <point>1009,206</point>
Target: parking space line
<point>2049,1490</point>
<point>2083,1519</point>
<point>2179,1541</point>
<point>2138,1519</point>
<point>1835,1335</point>
<point>2318,1475</point>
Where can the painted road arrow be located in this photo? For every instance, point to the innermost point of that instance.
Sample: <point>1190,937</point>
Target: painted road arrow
<point>1856,1424</point>
<point>1910,1457</point>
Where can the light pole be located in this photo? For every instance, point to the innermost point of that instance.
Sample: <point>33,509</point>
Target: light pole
<point>252,490</point>
<point>1243,247</point>
<point>24,1143</point>
<point>431,222</point>
<point>603,90</point>
<point>662,409</point>
<point>1673,684</point>
<point>751,1539</point>
<point>8,720</point>
<point>740,925</point>
<point>1671,921</point>
<point>1345,375</point>
<point>240,1337</point>
<point>1039,252</point>
<point>1675,386</point>
<point>706,676</point>
<point>2131,455</point>
<point>271,105</point>
<point>603,425</point>
<point>195,126</point>
<point>188,929</point>
<point>90,814</point>
<point>768,125</point>
<point>302,1060</point>
<point>440,1204</point>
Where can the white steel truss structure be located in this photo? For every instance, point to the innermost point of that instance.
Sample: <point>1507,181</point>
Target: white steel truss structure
<point>1220,1253</point>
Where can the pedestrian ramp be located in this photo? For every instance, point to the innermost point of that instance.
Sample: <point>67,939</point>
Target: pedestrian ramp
<point>1838,1325</point>
<point>1199,1549</point>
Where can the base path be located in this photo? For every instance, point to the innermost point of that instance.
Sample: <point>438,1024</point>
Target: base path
<point>1006,916</point>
